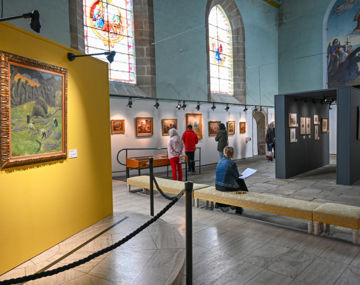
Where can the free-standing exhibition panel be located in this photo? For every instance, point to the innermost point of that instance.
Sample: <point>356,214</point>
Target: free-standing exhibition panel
<point>42,204</point>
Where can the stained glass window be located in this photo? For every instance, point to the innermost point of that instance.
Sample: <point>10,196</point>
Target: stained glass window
<point>220,52</point>
<point>108,26</point>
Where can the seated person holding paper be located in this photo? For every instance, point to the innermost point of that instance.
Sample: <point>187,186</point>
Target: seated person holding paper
<point>227,177</point>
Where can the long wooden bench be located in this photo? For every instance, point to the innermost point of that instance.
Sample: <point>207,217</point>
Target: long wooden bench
<point>338,215</point>
<point>262,202</point>
<point>166,185</point>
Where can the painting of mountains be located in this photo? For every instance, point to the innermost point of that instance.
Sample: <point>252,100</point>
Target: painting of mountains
<point>37,119</point>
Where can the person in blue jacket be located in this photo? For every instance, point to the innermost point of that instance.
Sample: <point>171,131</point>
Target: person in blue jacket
<point>227,178</point>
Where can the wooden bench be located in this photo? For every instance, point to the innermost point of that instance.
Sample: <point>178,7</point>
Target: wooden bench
<point>338,215</point>
<point>262,202</point>
<point>166,185</point>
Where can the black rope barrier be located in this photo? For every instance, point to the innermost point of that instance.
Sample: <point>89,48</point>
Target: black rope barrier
<point>161,192</point>
<point>95,254</point>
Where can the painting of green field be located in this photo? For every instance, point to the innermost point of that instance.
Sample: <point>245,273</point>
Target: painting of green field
<point>36,111</point>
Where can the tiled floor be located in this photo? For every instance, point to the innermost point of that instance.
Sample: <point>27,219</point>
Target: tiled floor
<point>254,248</point>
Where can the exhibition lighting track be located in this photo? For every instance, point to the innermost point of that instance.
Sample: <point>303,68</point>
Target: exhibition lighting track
<point>191,101</point>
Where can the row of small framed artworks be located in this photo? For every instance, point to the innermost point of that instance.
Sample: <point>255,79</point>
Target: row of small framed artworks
<point>145,126</point>
<point>305,126</point>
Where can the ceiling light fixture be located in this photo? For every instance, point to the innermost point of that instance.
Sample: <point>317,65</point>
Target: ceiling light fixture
<point>130,103</point>
<point>245,109</point>
<point>227,108</point>
<point>34,23</point>
<point>183,105</point>
<point>213,107</point>
<point>198,106</point>
<point>178,106</point>
<point>110,55</point>
<point>255,109</point>
<point>156,105</point>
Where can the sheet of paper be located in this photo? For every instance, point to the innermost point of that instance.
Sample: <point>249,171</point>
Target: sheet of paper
<point>247,172</point>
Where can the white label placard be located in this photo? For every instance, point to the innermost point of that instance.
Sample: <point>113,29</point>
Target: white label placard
<point>73,153</point>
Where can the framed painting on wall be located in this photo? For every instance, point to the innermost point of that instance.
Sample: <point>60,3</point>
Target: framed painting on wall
<point>166,125</point>
<point>316,119</point>
<point>316,135</point>
<point>308,125</point>
<point>230,127</point>
<point>242,127</point>
<point>293,135</point>
<point>118,126</point>
<point>302,126</point>
<point>324,125</point>
<point>213,128</point>
<point>293,120</point>
<point>33,118</point>
<point>144,126</point>
<point>196,121</point>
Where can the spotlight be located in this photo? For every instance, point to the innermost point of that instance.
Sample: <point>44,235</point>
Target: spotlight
<point>227,107</point>
<point>130,103</point>
<point>198,106</point>
<point>261,108</point>
<point>34,23</point>
<point>183,105</point>
<point>156,105</point>
<point>245,109</point>
<point>110,55</point>
<point>213,107</point>
<point>255,109</point>
<point>178,106</point>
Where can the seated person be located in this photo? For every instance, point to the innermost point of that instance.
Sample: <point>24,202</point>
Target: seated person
<point>227,177</point>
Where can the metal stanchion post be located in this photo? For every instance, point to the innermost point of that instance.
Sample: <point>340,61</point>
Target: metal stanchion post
<point>151,166</point>
<point>188,220</point>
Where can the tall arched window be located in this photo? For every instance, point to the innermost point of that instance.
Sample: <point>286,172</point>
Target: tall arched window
<point>220,52</point>
<point>109,25</point>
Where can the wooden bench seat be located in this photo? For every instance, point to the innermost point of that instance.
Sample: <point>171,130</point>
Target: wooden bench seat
<point>166,185</point>
<point>338,215</point>
<point>262,202</point>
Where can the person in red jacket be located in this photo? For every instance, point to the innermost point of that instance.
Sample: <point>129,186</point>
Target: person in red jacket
<point>190,140</point>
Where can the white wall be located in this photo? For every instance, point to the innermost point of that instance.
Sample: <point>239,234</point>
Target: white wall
<point>144,108</point>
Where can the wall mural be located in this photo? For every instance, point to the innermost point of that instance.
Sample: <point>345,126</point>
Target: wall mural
<point>343,52</point>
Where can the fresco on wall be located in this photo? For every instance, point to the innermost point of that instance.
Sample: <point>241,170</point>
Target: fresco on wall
<point>343,51</point>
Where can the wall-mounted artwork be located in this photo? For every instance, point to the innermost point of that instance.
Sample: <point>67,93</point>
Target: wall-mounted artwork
<point>196,121</point>
<point>293,120</point>
<point>242,127</point>
<point>33,111</point>
<point>293,135</point>
<point>144,126</point>
<point>302,126</point>
<point>308,125</point>
<point>324,125</point>
<point>213,128</point>
<point>316,119</point>
<point>343,30</point>
<point>316,131</point>
<point>230,127</point>
<point>118,126</point>
<point>166,125</point>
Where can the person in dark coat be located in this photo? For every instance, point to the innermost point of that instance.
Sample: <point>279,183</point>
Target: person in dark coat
<point>270,141</point>
<point>222,139</point>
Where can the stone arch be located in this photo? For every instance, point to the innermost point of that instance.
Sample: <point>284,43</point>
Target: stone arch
<point>238,37</point>
<point>261,122</point>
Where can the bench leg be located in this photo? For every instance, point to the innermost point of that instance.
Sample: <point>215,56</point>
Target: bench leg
<point>355,236</point>
<point>321,227</point>
<point>197,203</point>
<point>212,205</point>
<point>207,204</point>
<point>310,227</point>
<point>129,187</point>
<point>316,228</point>
<point>327,229</point>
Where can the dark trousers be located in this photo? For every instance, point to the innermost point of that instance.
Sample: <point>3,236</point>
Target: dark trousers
<point>241,187</point>
<point>191,160</point>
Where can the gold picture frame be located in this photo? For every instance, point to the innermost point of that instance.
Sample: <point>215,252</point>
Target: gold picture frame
<point>242,127</point>
<point>293,120</point>
<point>144,126</point>
<point>118,126</point>
<point>33,98</point>
<point>324,125</point>
<point>167,124</point>
<point>196,121</point>
<point>230,125</point>
<point>213,128</point>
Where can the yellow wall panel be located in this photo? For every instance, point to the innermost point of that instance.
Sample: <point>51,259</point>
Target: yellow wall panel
<point>43,204</point>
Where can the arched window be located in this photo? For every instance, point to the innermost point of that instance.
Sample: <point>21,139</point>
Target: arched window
<point>220,52</point>
<point>109,25</point>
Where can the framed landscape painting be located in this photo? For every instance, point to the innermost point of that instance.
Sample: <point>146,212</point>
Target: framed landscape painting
<point>293,120</point>
<point>196,121</point>
<point>118,126</point>
<point>213,128</point>
<point>166,125</point>
<point>231,127</point>
<point>144,126</point>
<point>33,111</point>
<point>242,127</point>
<point>324,125</point>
